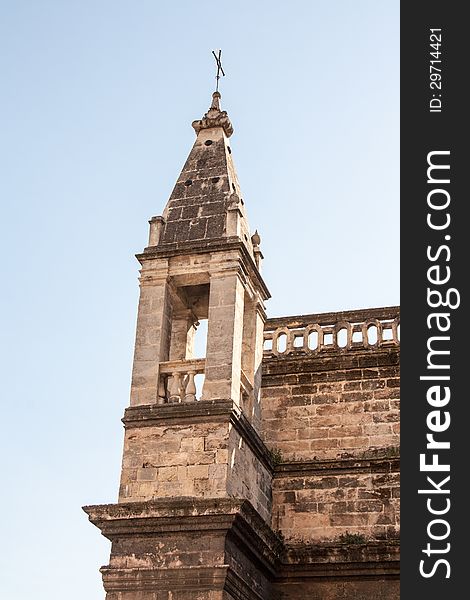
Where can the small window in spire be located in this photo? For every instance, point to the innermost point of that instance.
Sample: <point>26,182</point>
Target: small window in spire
<point>208,142</point>
<point>188,182</point>
<point>229,150</point>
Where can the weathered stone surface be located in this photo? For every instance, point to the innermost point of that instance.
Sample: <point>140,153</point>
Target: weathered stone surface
<point>331,406</point>
<point>195,547</point>
<point>201,450</point>
<point>326,501</point>
<point>206,200</point>
<point>279,478</point>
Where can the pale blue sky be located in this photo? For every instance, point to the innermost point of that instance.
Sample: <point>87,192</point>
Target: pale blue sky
<point>96,108</point>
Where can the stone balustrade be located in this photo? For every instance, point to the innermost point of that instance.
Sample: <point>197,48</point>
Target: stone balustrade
<point>177,380</point>
<point>368,329</point>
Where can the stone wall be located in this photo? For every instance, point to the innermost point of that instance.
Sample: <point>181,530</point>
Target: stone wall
<point>210,510</point>
<point>194,450</point>
<point>331,407</point>
<point>249,477</point>
<point>174,460</point>
<point>330,416</point>
<point>328,501</point>
<point>332,401</point>
<point>339,418</point>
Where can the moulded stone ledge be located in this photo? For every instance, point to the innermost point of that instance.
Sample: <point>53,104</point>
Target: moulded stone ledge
<point>179,515</point>
<point>158,414</point>
<point>330,560</point>
<point>378,464</point>
<point>177,579</point>
<point>329,361</point>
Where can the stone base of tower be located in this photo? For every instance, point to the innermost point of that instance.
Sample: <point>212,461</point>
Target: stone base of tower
<point>221,549</point>
<point>187,549</point>
<point>205,449</point>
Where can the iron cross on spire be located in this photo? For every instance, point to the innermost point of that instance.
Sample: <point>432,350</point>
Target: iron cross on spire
<point>220,70</point>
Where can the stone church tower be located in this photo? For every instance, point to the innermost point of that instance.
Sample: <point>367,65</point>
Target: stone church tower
<point>276,478</point>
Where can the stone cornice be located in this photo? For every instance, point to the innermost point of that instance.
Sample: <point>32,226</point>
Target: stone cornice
<point>177,515</point>
<point>275,368</point>
<point>177,579</point>
<point>149,415</point>
<point>164,515</point>
<point>204,247</point>
<point>237,518</point>
<point>338,466</point>
<point>387,312</point>
<point>331,561</point>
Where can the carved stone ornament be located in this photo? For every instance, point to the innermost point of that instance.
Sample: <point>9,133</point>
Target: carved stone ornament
<point>214,117</point>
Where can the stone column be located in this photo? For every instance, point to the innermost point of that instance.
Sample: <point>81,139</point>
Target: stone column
<point>260,320</point>
<point>152,335</point>
<point>224,337</point>
<point>156,225</point>
<point>182,335</point>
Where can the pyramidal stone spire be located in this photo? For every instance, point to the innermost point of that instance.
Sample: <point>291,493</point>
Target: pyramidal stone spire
<point>206,203</point>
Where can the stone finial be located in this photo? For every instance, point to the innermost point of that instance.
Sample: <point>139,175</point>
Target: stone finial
<point>255,238</point>
<point>233,215</point>
<point>256,241</point>
<point>214,117</point>
<point>215,102</point>
<point>156,225</point>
